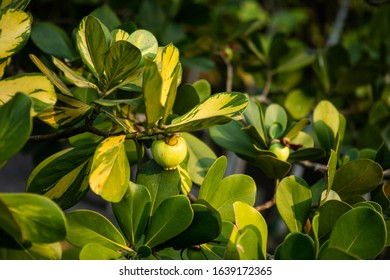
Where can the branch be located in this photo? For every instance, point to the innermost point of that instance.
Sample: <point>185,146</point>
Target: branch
<point>338,25</point>
<point>265,206</point>
<point>70,132</point>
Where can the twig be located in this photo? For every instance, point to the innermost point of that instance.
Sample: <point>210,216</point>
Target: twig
<point>265,206</point>
<point>338,25</point>
<point>316,166</point>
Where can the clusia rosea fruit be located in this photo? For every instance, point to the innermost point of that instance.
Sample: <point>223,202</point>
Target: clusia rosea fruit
<point>169,152</point>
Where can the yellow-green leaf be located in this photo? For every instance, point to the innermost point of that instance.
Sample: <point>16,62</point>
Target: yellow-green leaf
<point>3,65</point>
<point>66,112</point>
<point>51,75</point>
<point>15,26</point>
<point>152,84</point>
<point>73,76</point>
<point>218,109</point>
<point>37,86</point>
<point>81,44</point>
<point>110,171</point>
<point>169,67</point>
<point>13,4</point>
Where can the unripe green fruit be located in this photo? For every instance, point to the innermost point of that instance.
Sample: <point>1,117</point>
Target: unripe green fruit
<point>169,153</point>
<point>282,152</point>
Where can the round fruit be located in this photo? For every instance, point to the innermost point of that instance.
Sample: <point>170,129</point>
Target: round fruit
<point>282,152</point>
<point>169,152</point>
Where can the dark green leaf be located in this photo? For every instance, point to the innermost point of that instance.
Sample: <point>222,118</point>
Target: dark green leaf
<point>107,16</point>
<point>16,126</point>
<point>186,99</point>
<point>86,226</point>
<point>297,246</point>
<point>271,166</point>
<point>53,40</point>
<point>96,43</point>
<point>205,226</point>
<point>171,218</point>
<point>63,177</point>
<point>160,183</point>
<point>132,212</point>
<point>121,58</point>
<point>357,178</point>
<point>360,232</point>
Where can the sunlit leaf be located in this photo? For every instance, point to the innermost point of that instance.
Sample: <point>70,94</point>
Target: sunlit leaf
<point>110,170</point>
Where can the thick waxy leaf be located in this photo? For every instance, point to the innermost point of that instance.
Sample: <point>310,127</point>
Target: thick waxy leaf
<point>326,124</point>
<point>120,59</point>
<point>63,177</point>
<point>254,116</point>
<point>14,4</point>
<point>171,218</point>
<point>357,177</point>
<point>67,111</point>
<point>248,245</point>
<point>298,104</point>
<point>3,65</point>
<point>222,193</point>
<point>95,251</point>
<point>288,250</point>
<point>186,99</point>
<point>16,126</point>
<point>247,217</point>
<point>205,226</point>
<point>51,75</point>
<point>146,42</point>
<point>294,61</point>
<point>133,211</point>
<point>275,120</point>
<point>110,170</point>
<point>31,218</point>
<point>200,159</point>
<point>329,212</point>
<point>76,78</point>
<point>271,166</point>
<point>160,183</point>
<point>15,26</point>
<point>96,44</point>
<point>293,200</point>
<point>85,226</point>
<point>361,232</point>
<point>152,84</point>
<point>37,86</point>
<point>170,68</point>
<point>37,251</point>
<point>232,137</point>
<point>53,40</point>
<point>217,109</point>
<point>203,88</point>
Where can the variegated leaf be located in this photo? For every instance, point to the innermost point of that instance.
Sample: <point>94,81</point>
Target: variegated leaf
<point>73,76</point>
<point>13,4</point>
<point>145,41</point>
<point>119,35</point>
<point>218,109</point>
<point>81,44</point>
<point>186,182</point>
<point>37,86</point>
<point>110,171</point>
<point>15,26</point>
<point>63,177</point>
<point>121,58</point>
<point>152,84</point>
<point>169,67</point>
<point>51,75</point>
<point>66,112</point>
<point>3,65</point>
<point>96,43</point>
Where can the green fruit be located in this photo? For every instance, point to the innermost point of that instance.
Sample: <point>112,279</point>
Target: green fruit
<point>281,152</point>
<point>169,153</point>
